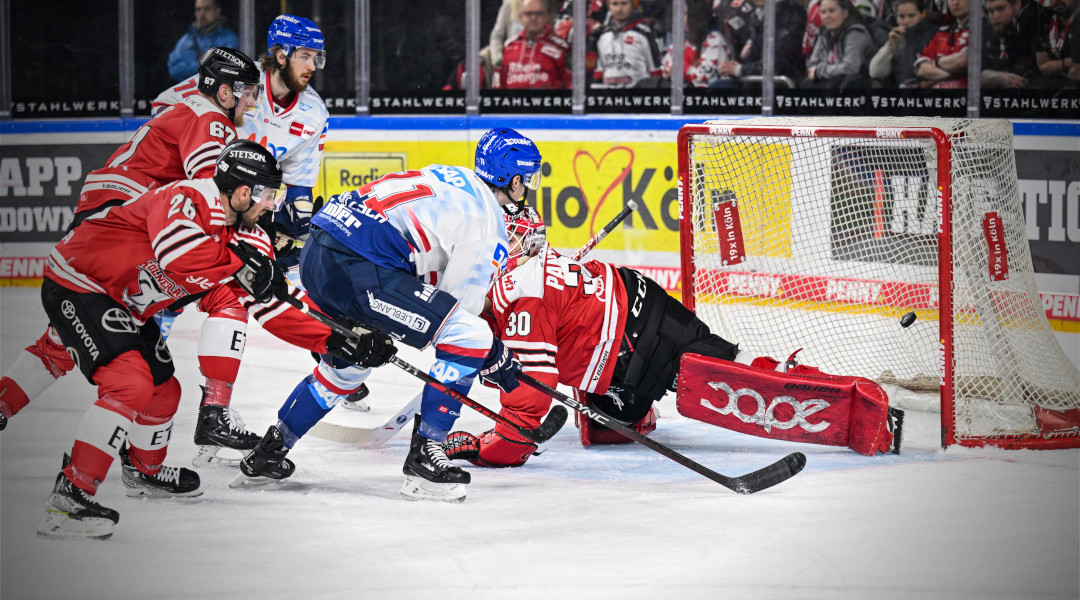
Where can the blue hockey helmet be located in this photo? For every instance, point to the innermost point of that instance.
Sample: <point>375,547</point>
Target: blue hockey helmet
<point>503,153</point>
<point>292,32</point>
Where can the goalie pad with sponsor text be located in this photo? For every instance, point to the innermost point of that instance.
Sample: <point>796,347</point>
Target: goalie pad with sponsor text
<point>801,405</point>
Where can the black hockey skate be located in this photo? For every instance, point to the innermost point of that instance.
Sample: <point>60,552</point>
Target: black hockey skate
<point>462,445</point>
<point>896,426</point>
<point>169,482</point>
<point>357,400</point>
<point>266,463</point>
<point>220,427</point>
<point>72,514</point>
<point>429,474</point>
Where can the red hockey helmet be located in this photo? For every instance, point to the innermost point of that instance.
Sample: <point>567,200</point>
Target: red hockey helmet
<point>527,235</point>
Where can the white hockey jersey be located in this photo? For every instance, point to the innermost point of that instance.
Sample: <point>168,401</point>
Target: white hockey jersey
<point>441,221</point>
<point>295,133</point>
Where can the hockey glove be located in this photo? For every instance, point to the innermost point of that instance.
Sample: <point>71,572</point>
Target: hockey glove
<point>500,369</point>
<point>260,276</point>
<point>364,349</point>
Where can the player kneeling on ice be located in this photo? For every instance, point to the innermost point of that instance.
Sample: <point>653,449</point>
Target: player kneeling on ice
<point>412,254</point>
<point>103,284</point>
<point>617,338</point>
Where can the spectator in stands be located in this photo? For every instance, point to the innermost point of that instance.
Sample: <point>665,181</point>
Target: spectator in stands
<point>206,32</point>
<point>790,28</point>
<point>627,50</point>
<point>943,62</point>
<point>536,58</point>
<point>1072,42</point>
<point>894,64</point>
<point>507,27</point>
<point>843,50</point>
<point>1054,69</point>
<point>704,50</point>
<point>1016,43</point>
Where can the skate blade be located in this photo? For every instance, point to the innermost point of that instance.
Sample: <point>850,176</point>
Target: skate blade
<point>244,481</point>
<point>59,526</point>
<point>359,405</point>
<point>418,488</point>
<point>141,492</point>
<point>208,456</point>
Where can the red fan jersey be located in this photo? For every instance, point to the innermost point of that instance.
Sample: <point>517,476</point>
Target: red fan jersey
<point>564,320</point>
<point>539,63</point>
<point>167,244</point>
<point>182,142</point>
<point>949,39</point>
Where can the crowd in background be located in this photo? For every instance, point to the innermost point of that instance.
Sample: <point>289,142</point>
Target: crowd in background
<point>836,44</point>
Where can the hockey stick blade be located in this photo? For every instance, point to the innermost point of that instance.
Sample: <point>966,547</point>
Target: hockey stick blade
<point>367,437</point>
<point>529,434</point>
<point>750,483</point>
<point>630,207</point>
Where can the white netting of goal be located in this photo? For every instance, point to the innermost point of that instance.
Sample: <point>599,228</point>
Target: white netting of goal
<point>837,239</point>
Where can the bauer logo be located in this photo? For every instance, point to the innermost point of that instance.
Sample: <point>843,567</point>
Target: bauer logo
<point>765,413</point>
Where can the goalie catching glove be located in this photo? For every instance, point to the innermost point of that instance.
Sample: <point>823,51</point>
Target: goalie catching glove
<point>364,348</point>
<point>500,369</point>
<point>260,276</point>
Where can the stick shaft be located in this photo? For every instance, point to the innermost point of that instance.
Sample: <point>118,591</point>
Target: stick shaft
<point>630,207</point>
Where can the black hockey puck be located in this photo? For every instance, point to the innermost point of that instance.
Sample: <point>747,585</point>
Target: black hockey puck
<point>907,320</point>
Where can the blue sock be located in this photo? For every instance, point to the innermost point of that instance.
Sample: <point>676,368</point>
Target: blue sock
<point>308,402</point>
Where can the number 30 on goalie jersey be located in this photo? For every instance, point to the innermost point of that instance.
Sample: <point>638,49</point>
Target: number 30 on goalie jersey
<point>563,319</point>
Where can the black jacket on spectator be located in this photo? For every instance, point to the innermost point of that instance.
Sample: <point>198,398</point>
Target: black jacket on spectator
<point>1014,50</point>
<point>790,26</point>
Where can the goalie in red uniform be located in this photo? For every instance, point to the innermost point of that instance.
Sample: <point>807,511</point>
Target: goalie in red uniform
<point>618,339</point>
<point>105,281</point>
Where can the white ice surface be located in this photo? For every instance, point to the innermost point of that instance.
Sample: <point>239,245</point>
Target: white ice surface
<point>603,522</point>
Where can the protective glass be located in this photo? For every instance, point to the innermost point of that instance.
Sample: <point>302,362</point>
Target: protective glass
<point>269,196</point>
<point>241,89</point>
<point>319,58</point>
<point>532,180</point>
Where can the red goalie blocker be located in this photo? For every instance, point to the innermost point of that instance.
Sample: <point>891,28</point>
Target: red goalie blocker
<point>802,405</point>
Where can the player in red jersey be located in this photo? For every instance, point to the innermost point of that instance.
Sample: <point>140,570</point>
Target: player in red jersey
<point>613,335</point>
<point>105,280</point>
<point>180,143</point>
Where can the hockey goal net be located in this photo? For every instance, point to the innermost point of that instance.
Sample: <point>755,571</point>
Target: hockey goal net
<point>829,233</point>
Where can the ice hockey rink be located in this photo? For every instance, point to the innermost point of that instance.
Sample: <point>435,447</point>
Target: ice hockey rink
<point>600,522</point>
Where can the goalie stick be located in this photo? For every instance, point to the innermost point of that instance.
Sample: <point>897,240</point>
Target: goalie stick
<point>778,472</point>
<point>630,207</point>
<point>548,428</point>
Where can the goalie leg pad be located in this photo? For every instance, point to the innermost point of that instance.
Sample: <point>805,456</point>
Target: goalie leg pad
<point>802,405</point>
<point>591,433</point>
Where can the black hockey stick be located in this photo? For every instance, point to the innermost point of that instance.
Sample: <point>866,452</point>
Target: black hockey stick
<point>547,429</point>
<point>765,478</point>
<point>630,207</point>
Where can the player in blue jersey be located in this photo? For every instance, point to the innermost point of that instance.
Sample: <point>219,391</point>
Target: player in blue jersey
<point>412,254</point>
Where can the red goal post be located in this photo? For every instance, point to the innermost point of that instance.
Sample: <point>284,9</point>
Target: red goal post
<point>828,233</point>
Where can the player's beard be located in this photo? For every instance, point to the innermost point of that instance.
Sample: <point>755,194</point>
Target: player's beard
<point>250,218</point>
<point>237,118</point>
<point>292,80</point>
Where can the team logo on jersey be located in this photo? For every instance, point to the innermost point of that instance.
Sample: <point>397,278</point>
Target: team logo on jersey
<point>117,321</point>
<point>304,132</point>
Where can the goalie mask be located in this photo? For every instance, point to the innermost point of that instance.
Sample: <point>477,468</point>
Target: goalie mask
<point>527,234</point>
